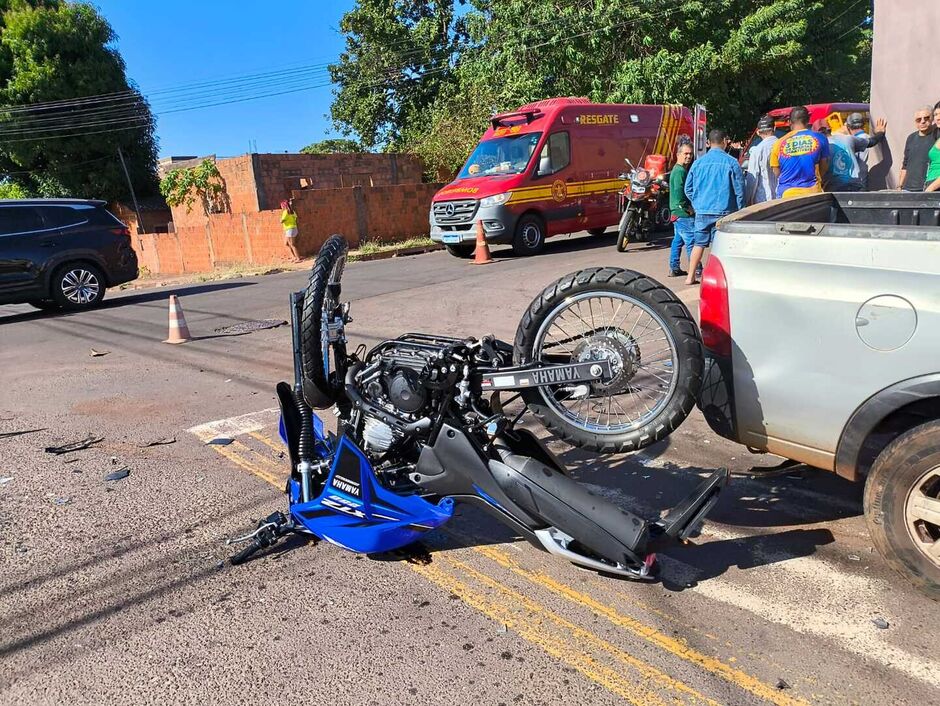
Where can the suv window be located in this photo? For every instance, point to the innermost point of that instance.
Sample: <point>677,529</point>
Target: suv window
<point>61,216</point>
<point>19,219</point>
<point>555,155</point>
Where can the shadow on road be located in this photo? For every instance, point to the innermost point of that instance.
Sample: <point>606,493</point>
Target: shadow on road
<point>561,244</point>
<point>126,300</point>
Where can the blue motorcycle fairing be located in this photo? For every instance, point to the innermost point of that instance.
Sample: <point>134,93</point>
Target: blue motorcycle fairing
<point>356,512</point>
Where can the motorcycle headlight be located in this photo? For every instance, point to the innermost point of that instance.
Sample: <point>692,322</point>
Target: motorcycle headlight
<point>496,200</point>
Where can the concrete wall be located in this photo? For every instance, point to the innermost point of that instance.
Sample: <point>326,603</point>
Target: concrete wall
<point>904,76</point>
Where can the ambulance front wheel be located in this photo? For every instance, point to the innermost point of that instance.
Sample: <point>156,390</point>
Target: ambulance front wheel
<point>461,250</point>
<point>530,235</point>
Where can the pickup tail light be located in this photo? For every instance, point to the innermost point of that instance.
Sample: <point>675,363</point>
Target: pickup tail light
<point>714,314</point>
<point>123,230</point>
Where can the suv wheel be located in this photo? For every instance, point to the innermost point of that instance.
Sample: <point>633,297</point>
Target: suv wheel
<point>78,286</point>
<point>902,506</point>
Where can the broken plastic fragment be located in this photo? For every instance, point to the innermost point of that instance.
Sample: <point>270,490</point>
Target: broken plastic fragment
<point>118,475</point>
<point>220,441</point>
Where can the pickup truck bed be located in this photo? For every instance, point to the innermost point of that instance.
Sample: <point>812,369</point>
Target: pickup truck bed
<point>822,320</point>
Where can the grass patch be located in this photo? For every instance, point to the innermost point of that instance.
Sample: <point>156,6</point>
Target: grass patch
<point>378,246</point>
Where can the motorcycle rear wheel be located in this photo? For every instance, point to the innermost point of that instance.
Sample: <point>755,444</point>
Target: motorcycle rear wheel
<point>321,308</point>
<point>646,333</point>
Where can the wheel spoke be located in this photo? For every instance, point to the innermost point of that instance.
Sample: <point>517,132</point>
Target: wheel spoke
<point>608,328</point>
<point>924,508</point>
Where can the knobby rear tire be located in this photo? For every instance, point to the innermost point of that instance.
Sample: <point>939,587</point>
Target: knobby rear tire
<point>675,315</point>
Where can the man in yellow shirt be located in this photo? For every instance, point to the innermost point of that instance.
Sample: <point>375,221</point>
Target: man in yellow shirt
<point>799,158</point>
<point>289,221</point>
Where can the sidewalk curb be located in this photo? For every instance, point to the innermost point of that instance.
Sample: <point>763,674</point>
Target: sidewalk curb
<point>181,280</point>
<point>419,250</point>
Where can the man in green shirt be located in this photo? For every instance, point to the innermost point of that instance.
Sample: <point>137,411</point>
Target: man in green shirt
<point>681,208</point>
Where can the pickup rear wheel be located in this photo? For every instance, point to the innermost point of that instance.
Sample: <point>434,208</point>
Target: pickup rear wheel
<point>902,506</point>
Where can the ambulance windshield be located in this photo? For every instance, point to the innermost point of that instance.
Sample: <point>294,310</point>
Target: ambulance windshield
<point>501,156</point>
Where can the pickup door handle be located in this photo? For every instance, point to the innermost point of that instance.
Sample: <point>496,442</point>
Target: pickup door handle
<point>861,321</point>
<point>798,228</point>
<point>47,243</point>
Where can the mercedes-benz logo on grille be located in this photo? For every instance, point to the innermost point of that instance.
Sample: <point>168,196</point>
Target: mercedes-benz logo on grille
<point>449,209</point>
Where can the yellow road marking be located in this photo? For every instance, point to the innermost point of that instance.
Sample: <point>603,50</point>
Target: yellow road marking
<point>585,637</point>
<point>530,629</point>
<point>648,633</point>
<point>268,441</point>
<point>527,626</point>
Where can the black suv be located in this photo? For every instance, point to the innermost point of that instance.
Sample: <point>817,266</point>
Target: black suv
<point>62,253</point>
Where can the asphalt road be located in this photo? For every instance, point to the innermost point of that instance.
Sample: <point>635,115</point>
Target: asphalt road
<point>115,592</point>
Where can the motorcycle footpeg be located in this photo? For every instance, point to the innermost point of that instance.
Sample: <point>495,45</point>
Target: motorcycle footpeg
<point>681,521</point>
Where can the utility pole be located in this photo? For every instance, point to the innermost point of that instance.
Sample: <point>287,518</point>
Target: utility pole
<point>140,221</point>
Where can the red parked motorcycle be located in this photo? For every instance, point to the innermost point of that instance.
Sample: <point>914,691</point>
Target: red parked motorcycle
<point>643,201</point>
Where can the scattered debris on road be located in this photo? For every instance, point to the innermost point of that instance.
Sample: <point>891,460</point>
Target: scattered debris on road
<point>98,354</point>
<point>166,441</point>
<point>781,684</point>
<point>4,481</point>
<point>250,327</point>
<point>9,434</point>
<point>118,475</point>
<point>74,445</point>
<point>881,623</point>
<point>220,441</point>
<point>854,557</point>
<point>61,501</point>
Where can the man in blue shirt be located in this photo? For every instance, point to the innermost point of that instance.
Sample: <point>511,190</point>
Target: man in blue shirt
<point>715,186</point>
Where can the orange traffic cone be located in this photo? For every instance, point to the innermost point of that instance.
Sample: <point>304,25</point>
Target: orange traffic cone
<point>481,256</point>
<point>179,331</point>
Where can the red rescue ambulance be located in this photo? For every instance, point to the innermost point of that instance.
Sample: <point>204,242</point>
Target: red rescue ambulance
<point>552,167</point>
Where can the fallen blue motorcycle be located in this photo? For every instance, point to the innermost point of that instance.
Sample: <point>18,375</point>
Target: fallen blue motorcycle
<point>606,358</point>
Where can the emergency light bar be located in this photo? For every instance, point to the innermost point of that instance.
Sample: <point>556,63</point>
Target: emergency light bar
<point>506,119</point>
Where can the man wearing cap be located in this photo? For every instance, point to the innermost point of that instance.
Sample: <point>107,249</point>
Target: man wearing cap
<point>845,167</point>
<point>855,126</point>
<point>761,180</point>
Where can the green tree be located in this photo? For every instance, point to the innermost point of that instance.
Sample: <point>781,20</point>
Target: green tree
<point>398,56</point>
<point>51,50</point>
<point>332,146</point>
<point>737,57</point>
<point>11,190</point>
<point>202,183</point>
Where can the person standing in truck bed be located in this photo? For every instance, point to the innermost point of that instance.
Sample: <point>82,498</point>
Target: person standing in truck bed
<point>800,158</point>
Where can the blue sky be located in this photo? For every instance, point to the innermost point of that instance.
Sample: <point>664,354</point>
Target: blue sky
<point>175,42</point>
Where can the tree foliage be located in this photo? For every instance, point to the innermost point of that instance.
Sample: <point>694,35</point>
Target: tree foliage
<point>332,146</point>
<point>202,183</point>
<point>52,50</point>
<point>739,58</point>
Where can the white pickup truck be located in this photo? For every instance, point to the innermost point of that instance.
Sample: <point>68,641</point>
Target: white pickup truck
<point>821,318</point>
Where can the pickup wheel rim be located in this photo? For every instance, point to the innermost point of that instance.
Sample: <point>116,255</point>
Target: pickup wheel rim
<point>922,514</point>
<point>80,286</point>
<point>639,346</point>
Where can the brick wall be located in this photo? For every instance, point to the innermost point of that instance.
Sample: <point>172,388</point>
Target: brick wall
<point>278,175</point>
<point>386,213</point>
<point>153,221</point>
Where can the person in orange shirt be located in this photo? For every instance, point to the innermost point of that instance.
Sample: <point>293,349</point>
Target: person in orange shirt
<point>800,158</point>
